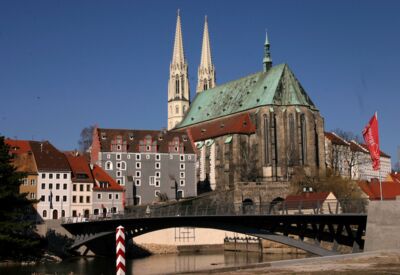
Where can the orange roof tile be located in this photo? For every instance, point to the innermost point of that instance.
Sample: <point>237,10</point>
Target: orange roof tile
<point>389,189</point>
<point>102,177</point>
<point>18,146</point>
<point>80,168</point>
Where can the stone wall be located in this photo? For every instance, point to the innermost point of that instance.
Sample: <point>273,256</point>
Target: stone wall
<point>383,225</point>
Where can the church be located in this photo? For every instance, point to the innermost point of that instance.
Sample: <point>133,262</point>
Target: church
<point>250,133</point>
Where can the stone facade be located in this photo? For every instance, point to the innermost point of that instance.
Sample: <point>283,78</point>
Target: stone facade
<point>150,164</point>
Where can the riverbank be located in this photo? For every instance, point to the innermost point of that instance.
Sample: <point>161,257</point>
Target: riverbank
<point>378,262</point>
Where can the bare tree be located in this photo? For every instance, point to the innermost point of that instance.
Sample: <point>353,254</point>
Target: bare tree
<point>85,140</point>
<point>347,135</point>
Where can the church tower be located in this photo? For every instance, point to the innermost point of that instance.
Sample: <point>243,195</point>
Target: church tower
<point>178,84</point>
<point>206,72</point>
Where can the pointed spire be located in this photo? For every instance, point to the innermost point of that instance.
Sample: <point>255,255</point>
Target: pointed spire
<point>206,61</point>
<point>206,72</point>
<point>178,55</point>
<point>267,60</point>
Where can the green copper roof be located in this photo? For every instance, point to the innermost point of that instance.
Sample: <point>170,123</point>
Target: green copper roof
<point>278,86</point>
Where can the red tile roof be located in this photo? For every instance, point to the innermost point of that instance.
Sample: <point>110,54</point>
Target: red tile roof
<point>372,189</point>
<point>18,146</point>
<point>306,200</point>
<point>80,168</point>
<point>335,139</point>
<point>102,177</point>
<point>395,176</point>
<point>48,158</point>
<point>133,138</point>
<point>238,124</point>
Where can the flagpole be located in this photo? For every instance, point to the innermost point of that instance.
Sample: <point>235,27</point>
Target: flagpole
<point>380,182</point>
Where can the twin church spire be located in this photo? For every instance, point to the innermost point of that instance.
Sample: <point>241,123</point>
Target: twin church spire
<point>178,84</point>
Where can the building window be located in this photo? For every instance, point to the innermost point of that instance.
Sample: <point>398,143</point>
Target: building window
<point>118,156</point>
<point>43,175</point>
<point>138,174</point>
<point>74,199</point>
<point>80,199</point>
<point>119,147</point>
<point>50,176</point>
<point>158,174</point>
<point>148,148</point>
<point>99,196</point>
<point>64,198</point>
<point>88,187</point>
<point>303,139</point>
<point>157,183</point>
<point>182,157</point>
<point>147,156</point>
<point>96,211</point>
<point>158,165</point>
<point>182,175</point>
<point>189,157</point>
<point>119,181</point>
<point>44,214</point>
<point>33,182</point>
<point>63,213</point>
<point>87,199</point>
<point>116,196</point>
<point>42,198</point>
<point>110,196</point>
<point>65,186</point>
<point>43,186</point>
<point>57,186</point>
<point>74,187</point>
<point>57,198</point>
<point>137,200</point>
<point>157,193</point>
<point>182,182</point>
<point>58,176</point>
<point>118,165</point>
<point>158,157</point>
<point>138,165</point>
<point>266,141</point>
<point>50,186</point>
<point>182,166</point>
<point>81,187</point>
<point>108,156</point>
<point>179,194</point>
<point>25,181</point>
<point>65,176</point>
<point>73,213</point>
<point>118,173</point>
<point>176,109</point>
<point>123,165</point>
<point>137,182</point>
<point>151,180</point>
<point>109,165</point>
<point>137,156</point>
<point>128,156</point>
<point>32,196</point>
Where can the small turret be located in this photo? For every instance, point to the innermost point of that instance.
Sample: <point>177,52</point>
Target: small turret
<point>267,60</point>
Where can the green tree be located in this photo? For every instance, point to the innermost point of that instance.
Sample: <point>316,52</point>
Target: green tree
<point>17,237</point>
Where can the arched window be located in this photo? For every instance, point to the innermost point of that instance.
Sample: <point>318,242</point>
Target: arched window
<point>184,109</point>
<point>123,165</point>
<point>205,83</point>
<point>266,141</point>
<point>303,138</point>
<point>183,84</point>
<point>177,84</point>
<point>44,214</point>
<point>291,138</point>
<point>176,109</point>
<point>109,165</point>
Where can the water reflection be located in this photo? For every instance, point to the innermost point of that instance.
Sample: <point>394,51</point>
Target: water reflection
<point>157,264</point>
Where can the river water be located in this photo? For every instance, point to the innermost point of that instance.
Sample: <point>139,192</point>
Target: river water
<point>156,264</point>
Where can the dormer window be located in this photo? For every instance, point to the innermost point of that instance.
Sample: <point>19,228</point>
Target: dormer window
<point>131,136</point>
<point>103,135</point>
<point>148,148</point>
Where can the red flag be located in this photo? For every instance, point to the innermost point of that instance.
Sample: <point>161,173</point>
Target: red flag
<point>371,138</point>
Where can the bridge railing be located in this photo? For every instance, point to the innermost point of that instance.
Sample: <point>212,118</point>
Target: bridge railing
<point>298,207</point>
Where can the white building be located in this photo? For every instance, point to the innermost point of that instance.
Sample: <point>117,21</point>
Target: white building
<point>54,181</point>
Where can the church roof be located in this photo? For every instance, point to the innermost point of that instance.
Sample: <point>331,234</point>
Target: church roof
<point>277,86</point>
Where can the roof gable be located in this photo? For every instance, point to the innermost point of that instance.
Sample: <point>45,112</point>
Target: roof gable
<point>80,168</point>
<point>101,176</point>
<point>278,86</point>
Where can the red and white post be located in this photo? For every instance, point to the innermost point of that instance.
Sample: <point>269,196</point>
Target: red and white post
<point>120,243</point>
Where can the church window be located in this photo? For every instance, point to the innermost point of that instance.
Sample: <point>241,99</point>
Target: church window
<point>291,137</point>
<point>303,139</point>
<point>183,84</point>
<point>177,84</point>
<point>176,109</point>
<point>266,141</point>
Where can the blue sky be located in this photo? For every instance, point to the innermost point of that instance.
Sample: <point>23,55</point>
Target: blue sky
<point>65,65</point>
